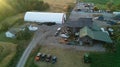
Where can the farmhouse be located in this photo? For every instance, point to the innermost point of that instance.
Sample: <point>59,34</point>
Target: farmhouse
<point>43,17</point>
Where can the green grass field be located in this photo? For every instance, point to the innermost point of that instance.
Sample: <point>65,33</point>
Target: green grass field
<point>102,3</point>
<point>7,52</point>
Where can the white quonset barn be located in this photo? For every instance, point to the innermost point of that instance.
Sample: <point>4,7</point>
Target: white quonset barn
<point>42,17</point>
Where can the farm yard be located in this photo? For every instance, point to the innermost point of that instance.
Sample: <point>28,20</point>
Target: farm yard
<point>66,57</point>
<point>11,49</point>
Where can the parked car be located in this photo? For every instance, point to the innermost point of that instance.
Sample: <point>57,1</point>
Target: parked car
<point>43,57</point>
<point>54,59</point>
<point>56,33</point>
<point>48,58</point>
<point>37,58</point>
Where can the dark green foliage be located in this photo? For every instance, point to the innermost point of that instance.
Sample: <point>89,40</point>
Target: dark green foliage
<point>5,27</point>
<point>24,34</point>
<point>109,5</point>
<point>96,8</point>
<point>97,1</point>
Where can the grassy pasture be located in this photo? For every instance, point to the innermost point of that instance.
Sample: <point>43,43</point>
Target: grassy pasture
<point>7,51</point>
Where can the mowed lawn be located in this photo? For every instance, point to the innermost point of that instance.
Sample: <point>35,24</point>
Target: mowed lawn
<point>106,59</point>
<point>7,51</point>
<point>66,57</point>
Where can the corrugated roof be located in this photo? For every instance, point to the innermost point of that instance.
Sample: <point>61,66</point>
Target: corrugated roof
<point>95,27</point>
<point>96,35</point>
<point>81,22</point>
<point>44,17</point>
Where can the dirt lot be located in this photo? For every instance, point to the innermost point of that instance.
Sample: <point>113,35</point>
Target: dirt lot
<point>66,57</point>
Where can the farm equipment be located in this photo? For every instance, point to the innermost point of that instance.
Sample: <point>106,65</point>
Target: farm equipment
<point>87,58</point>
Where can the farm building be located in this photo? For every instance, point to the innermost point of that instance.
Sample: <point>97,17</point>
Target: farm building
<point>75,25</point>
<point>88,36</point>
<point>116,13</point>
<point>85,31</point>
<point>42,17</point>
<point>12,32</point>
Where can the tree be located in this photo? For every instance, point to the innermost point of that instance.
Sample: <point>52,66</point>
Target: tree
<point>95,8</point>
<point>109,5</point>
<point>24,34</point>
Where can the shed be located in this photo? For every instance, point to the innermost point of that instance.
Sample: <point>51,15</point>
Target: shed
<point>42,17</point>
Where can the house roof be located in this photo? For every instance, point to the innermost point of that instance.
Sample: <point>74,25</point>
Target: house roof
<point>44,17</point>
<point>81,22</point>
<point>96,35</point>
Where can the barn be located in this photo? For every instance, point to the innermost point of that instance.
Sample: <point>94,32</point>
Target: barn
<point>43,17</point>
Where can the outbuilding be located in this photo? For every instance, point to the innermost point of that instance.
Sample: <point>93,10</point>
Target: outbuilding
<point>43,17</point>
<point>9,34</point>
<point>116,13</point>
